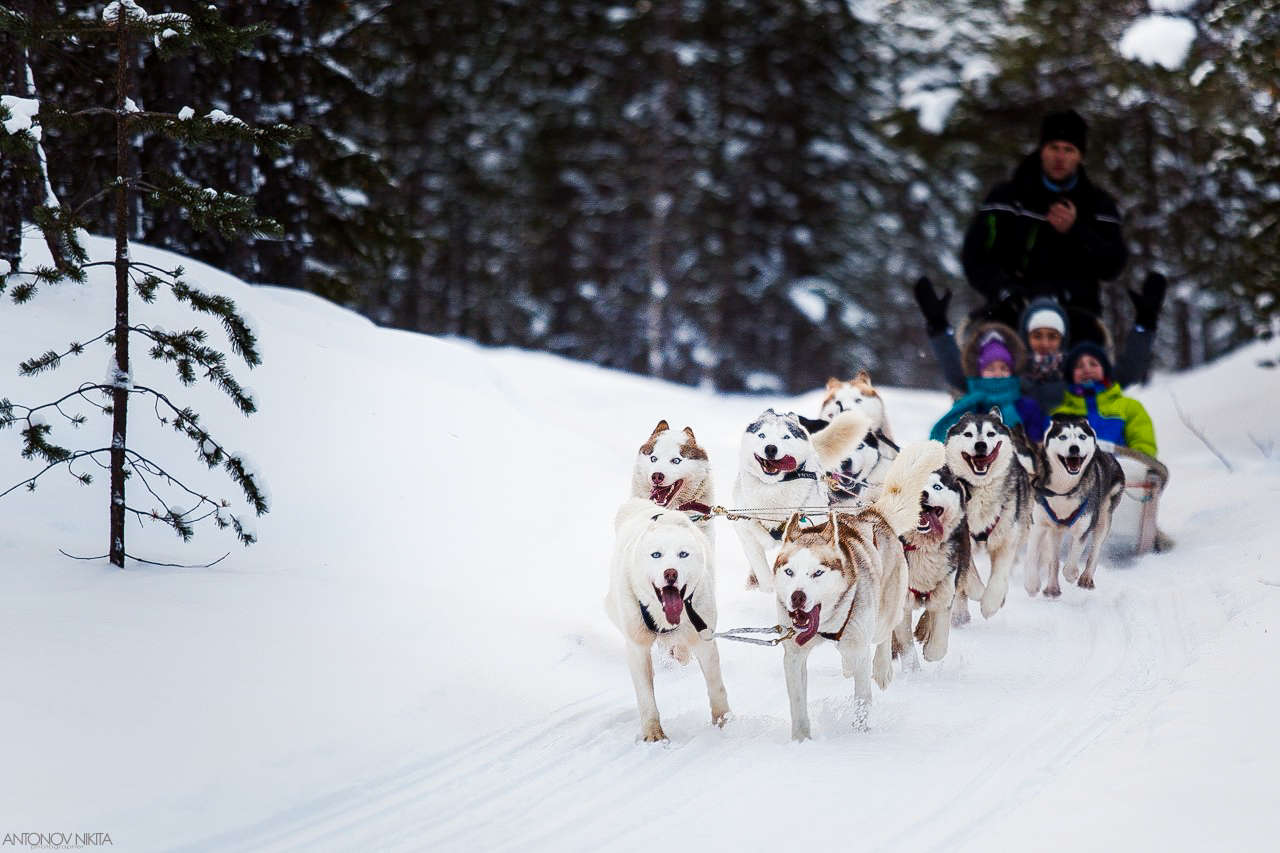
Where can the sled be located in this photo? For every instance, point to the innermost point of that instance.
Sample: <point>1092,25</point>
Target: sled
<point>1133,527</point>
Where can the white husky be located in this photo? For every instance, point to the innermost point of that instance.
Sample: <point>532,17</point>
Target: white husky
<point>781,466</point>
<point>846,581</point>
<point>858,478</point>
<point>662,590</point>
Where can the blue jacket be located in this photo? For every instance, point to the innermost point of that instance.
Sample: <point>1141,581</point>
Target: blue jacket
<point>1006,393</point>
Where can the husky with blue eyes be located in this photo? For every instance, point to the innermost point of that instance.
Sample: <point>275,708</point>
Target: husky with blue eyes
<point>985,453</point>
<point>662,593</point>
<point>846,581</point>
<point>672,471</point>
<point>1074,501</point>
<point>857,479</point>
<point>784,463</point>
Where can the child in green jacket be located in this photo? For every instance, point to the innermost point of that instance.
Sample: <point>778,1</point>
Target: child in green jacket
<point>1092,392</point>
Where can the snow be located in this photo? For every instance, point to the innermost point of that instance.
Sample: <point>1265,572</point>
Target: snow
<point>186,113</point>
<point>220,117</point>
<point>932,107</point>
<point>415,656</point>
<point>21,113</point>
<point>5,268</point>
<point>1158,40</point>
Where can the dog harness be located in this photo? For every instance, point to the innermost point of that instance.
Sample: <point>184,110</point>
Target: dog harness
<point>694,619</point>
<point>1043,498</point>
<point>798,474</point>
<point>982,537</point>
<point>695,506</point>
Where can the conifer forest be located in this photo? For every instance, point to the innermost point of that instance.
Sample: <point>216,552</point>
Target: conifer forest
<point>736,194</point>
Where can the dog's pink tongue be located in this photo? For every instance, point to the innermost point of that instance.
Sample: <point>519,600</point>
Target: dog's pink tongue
<point>811,627</point>
<point>672,604</point>
<point>930,518</point>
<point>786,463</point>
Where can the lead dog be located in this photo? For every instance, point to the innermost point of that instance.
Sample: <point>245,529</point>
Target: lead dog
<point>662,590</point>
<point>1079,493</point>
<point>782,466</point>
<point>937,552</point>
<point>845,581</point>
<point>673,471</point>
<point>981,451</point>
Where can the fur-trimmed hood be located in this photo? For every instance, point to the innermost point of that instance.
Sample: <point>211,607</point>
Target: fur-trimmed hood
<point>969,352</point>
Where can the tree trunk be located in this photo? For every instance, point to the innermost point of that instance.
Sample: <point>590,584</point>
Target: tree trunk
<point>120,391</point>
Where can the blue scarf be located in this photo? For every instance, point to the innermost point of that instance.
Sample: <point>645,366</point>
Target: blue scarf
<point>982,395</point>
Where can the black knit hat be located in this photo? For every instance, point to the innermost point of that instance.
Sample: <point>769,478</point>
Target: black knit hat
<point>1085,348</point>
<point>1066,126</point>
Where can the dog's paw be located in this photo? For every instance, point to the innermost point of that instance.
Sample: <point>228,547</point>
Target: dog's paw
<point>720,716</point>
<point>1033,591</point>
<point>1071,573</point>
<point>882,676</point>
<point>991,604</point>
<point>752,583</point>
<point>935,650</point>
<point>1085,582</point>
<point>651,732</point>
<point>960,615</point>
<point>1052,591</point>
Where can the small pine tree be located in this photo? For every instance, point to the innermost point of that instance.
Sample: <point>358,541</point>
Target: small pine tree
<point>129,28</point>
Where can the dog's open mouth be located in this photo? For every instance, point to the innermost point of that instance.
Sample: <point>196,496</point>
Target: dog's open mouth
<point>930,520</point>
<point>1073,464</point>
<point>806,623</point>
<point>775,466</point>
<point>672,602</point>
<point>980,465</point>
<point>662,495</point>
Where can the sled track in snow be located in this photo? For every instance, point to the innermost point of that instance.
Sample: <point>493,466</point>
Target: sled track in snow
<point>955,745</point>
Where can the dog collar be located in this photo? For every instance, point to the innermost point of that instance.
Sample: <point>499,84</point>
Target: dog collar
<point>695,506</point>
<point>798,474</point>
<point>835,637</point>
<point>982,537</point>
<point>1061,522</point>
<point>923,596</point>
<point>879,434</point>
<point>698,623</point>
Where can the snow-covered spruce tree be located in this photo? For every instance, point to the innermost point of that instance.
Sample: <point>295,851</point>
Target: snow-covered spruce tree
<point>123,26</point>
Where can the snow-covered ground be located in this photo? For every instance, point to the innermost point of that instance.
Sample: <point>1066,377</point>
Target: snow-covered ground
<point>415,655</point>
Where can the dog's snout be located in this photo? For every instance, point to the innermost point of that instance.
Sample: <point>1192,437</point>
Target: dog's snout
<point>797,600</point>
<point>980,448</point>
<point>1073,450</point>
<point>658,477</point>
<point>770,451</point>
<point>671,576</point>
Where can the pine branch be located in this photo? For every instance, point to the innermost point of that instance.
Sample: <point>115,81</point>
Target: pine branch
<point>51,360</point>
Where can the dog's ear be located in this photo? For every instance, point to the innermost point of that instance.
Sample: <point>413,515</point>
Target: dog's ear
<point>995,413</point>
<point>863,377</point>
<point>688,433</point>
<point>833,383</point>
<point>661,427</point>
<point>793,527</point>
<point>812,424</point>
<point>963,487</point>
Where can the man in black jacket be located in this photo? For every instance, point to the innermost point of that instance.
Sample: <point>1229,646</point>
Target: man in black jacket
<point>1049,231</point>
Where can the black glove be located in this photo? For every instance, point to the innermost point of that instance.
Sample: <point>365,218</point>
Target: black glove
<point>1146,305</point>
<point>933,308</point>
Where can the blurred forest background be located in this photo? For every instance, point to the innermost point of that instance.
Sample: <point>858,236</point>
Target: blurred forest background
<point>729,193</point>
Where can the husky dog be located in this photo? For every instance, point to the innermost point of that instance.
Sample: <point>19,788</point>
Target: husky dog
<point>982,451</point>
<point>662,590</point>
<point>846,580</point>
<point>857,393</point>
<point>672,471</point>
<point>858,477</point>
<point>781,466</point>
<point>1077,496</point>
<point>937,552</point>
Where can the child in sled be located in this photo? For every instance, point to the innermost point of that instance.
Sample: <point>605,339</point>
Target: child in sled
<point>1093,392</point>
<point>992,363</point>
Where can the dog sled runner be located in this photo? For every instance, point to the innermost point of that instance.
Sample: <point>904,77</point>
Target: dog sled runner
<point>1133,528</point>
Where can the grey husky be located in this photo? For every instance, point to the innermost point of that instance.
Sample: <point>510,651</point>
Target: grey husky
<point>983,452</point>
<point>1076,497</point>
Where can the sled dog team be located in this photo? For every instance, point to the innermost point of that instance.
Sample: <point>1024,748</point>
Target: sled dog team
<point>862,533</point>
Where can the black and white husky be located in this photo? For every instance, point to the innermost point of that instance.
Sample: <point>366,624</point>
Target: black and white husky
<point>782,468</point>
<point>938,557</point>
<point>982,451</point>
<point>1075,499</point>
